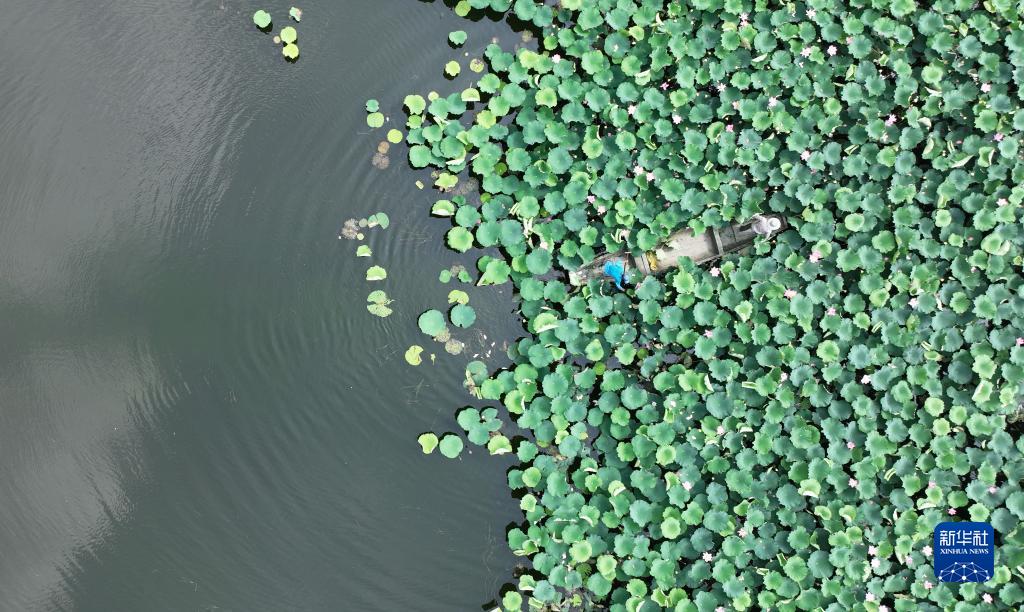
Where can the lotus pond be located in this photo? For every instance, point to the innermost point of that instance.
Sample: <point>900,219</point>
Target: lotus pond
<point>297,335</point>
<point>784,428</point>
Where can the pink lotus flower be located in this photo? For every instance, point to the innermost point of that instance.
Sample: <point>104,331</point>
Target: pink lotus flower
<point>650,176</point>
<point>869,597</point>
<point>687,485</point>
<point>556,58</point>
<point>1001,202</point>
<point>742,532</point>
<point>728,127</point>
<point>832,50</point>
<point>875,562</point>
<point>890,120</point>
<point>849,40</point>
<point>772,101</point>
<point>872,550</point>
<point>790,293</point>
<point>735,104</point>
<point>707,333</point>
<point>743,16</point>
<point>927,550</point>
<point>591,198</point>
<point>883,608</point>
<point>811,13</point>
<point>720,609</point>
<point>720,87</point>
<point>707,557</point>
<point>913,302</point>
<point>676,119</point>
<point>721,430</point>
<point>664,86</point>
<point>638,169</point>
<point>986,87</point>
<point>993,490</point>
<point>851,445</point>
<point>986,598</point>
<point>831,310</point>
<point>806,155</point>
<point>908,560</point>
<point>715,271</point>
<point>931,484</point>
<point>853,482</point>
<point>927,584</point>
<point>806,51</point>
<point>631,109</point>
<point>998,137</point>
<point>783,377</point>
<point>865,380</point>
<point>951,511</point>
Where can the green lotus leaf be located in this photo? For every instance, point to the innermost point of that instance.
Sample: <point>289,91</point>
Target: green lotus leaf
<point>380,310</point>
<point>291,51</point>
<point>413,355</point>
<point>432,323</point>
<point>457,296</point>
<point>460,239</point>
<point>376,273</point>
<point>295,13</point>
<point>463,315</point>
<point>364,251</point>
<point>420,156</point>
<point>457,38</point>
<point>372,106</point>
<point>415,103</point>
<point>451,446</point>
<point>452,68</point>
<point>395,136</point>
<point>428,442</point>
<point>374,120</point>
<point>262,19</point>
<point>288,35</point>
<point>378,220</point>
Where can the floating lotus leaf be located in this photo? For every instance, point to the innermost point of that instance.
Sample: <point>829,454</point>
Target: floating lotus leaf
<point>380,310</point>
<point>463,315</point>
<point>413,355</point>
<point>289,35</point>
<point>452,68</point>
<point>379,220</point>
<point>432,323</point>
<point>428,442</point>
<point>477,65</point>
<point>376,273</point>
<point>442,208</point>
<point>295,13</point>
<point>378,297</point>
<point>290,51</point>
<point>451,446</point>
<point>415,104</point>
<point>364,251</point>
<point>262,19</point>
<point>457,296</point>
<point>460,239</point>
<point>372,106</point>
<point>374,120</point>
<point>395,136</point>
<point>457,38</point>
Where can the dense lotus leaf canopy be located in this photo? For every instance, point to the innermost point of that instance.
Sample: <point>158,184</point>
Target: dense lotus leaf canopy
<point>782,428</point>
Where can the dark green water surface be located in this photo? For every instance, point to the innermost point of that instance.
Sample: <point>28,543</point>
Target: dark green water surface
<point>196,410</point>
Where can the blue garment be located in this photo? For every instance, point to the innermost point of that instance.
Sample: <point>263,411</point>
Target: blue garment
<point>617,271</point>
